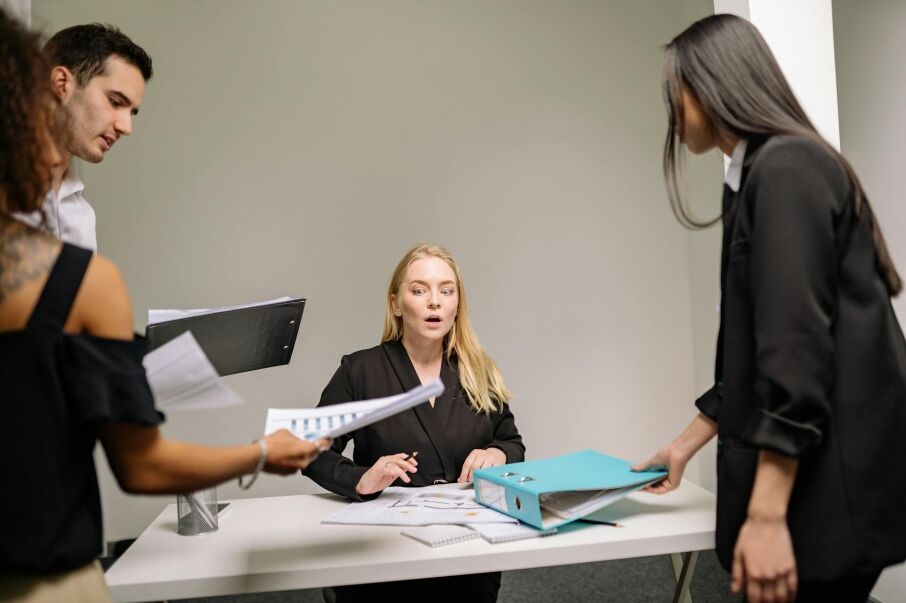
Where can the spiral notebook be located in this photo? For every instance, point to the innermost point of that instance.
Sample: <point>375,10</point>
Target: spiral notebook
<point>508,532</point>
<point>440,535</point>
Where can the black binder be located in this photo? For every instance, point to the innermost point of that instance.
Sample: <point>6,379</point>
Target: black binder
<point>241,339</point>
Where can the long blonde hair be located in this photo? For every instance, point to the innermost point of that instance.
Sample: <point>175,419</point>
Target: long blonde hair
<point>478,373</point>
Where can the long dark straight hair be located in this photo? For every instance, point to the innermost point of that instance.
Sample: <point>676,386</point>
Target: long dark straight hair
<point>727,65</point>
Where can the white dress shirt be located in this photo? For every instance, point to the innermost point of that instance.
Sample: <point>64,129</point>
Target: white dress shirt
<point>734,170</point>
<point>70,217</point>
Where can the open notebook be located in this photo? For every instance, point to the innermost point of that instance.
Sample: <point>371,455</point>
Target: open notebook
<point>440,535</point>
<point>508,532</point>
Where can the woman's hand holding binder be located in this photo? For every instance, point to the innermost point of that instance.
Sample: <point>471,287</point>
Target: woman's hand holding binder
<point>674,456</point>
<point>668,459</point>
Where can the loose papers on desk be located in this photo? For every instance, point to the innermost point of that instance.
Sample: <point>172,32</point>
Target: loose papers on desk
<point>181,377</point>
<point>338,419</point>
<point>397,506</point>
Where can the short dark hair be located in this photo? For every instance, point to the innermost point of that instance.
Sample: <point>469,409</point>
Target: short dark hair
<point>84,49</point>
<point>26,111</point>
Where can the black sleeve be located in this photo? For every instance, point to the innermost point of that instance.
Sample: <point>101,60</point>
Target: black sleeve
<point>105,381</point>
<point>793,283</point>
<point>331,470</point>
<point>506,437</point>
<point>709,403</point>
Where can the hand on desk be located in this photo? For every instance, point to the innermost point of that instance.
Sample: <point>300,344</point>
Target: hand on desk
<point>478,458</point>
<point>287,454</point>
<point>387,470</point>
<point>666,459</point>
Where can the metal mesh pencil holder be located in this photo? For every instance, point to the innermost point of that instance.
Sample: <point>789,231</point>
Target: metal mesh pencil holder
<point>196,512</point>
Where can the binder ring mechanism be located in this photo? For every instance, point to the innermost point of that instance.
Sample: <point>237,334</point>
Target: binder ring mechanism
<point>521,479</point>
<point>292,322</point>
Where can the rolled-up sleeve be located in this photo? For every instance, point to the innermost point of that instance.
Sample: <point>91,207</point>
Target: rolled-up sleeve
<point>709,402</point>
<point>793,284</point>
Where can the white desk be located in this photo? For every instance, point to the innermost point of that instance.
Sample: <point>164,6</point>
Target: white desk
<point>271,544</point>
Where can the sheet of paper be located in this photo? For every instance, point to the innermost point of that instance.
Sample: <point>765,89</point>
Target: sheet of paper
<point>442,504</point>
<point>181,377</point>
<point>579,503</point>
<point>156,316</point>
<point>338,419</point>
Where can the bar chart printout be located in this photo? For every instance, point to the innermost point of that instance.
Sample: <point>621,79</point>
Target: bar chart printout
<point>338,419</point>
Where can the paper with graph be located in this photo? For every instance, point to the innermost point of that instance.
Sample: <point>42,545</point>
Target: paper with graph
<point>431,505</point>
<point>338,419</point>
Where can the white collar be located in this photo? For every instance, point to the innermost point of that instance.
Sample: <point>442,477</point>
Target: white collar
<point>734,170</point>
<point>71,184</point>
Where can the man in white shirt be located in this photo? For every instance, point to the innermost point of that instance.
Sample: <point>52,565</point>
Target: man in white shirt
<point>99,76</point>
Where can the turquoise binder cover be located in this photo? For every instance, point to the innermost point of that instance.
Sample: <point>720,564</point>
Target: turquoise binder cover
<point>522,490</point>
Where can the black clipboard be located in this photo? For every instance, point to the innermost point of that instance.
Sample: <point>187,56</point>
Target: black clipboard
<point>240,339</point>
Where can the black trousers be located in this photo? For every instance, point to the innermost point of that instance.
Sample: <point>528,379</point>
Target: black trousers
<point>474,588</point>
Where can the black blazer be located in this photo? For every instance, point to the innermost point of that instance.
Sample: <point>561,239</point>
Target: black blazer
<point>811,363</point>
<point>443,435</point>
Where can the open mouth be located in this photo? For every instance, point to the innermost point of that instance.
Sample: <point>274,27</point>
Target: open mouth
<point>433,319</point>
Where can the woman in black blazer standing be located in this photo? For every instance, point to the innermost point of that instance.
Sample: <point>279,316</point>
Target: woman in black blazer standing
<point>809,401</point>
<point>427,334</point>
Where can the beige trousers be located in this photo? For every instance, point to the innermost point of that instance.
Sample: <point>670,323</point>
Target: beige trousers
<point>83,585</point>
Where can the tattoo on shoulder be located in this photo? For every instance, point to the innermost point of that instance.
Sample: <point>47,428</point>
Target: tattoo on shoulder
<point>25,255</point>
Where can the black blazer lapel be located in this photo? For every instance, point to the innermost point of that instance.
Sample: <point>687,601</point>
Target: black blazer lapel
<point>405,372</point>
<point>444,406</point>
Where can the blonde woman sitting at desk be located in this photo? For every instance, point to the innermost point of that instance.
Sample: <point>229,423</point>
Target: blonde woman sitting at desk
<point>427,334</point>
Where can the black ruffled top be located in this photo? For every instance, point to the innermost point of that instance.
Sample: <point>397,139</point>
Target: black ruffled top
<point>55,391</point>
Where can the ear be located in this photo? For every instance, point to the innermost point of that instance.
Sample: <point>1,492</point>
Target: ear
<point>62,82</point>
<point>394,303</point>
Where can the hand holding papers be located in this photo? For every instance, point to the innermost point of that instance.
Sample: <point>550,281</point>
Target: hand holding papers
<point>338,419</point>
<point>181,377</point>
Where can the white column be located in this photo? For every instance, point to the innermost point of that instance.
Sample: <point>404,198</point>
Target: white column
<point>801,36</point>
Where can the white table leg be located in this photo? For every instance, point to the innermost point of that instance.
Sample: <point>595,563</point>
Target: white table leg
<point>683,566</point>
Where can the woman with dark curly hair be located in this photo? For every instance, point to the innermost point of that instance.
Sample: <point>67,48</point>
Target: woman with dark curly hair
<point>71,373</point>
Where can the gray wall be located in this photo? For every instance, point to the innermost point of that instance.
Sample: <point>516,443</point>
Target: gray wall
<point>300,147</point>
<point>871,89</point>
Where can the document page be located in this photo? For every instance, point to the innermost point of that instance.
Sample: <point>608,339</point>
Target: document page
<point>181,377</point>
<point>338,419</point>
<point>442,504</point>
<point>579,503</point>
